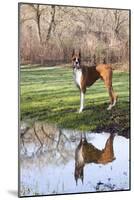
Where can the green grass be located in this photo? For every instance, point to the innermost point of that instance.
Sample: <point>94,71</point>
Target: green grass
<point>50,95</point>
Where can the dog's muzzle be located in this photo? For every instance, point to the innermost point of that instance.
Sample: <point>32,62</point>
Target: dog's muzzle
<point>76,65</point>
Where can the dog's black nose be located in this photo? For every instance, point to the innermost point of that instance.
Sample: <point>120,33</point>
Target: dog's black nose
<point>76,62</point>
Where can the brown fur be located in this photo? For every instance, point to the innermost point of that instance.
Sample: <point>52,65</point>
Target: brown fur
<point>91,74</point>
<point>91,154</point>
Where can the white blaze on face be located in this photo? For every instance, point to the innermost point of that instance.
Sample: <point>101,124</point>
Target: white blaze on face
<point>77,62</point>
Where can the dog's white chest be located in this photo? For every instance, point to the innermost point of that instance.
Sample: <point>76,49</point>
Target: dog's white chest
<point>79,156</point>
<point>77,77</point>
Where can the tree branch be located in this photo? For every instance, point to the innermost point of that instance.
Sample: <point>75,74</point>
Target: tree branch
<point>37,136</point>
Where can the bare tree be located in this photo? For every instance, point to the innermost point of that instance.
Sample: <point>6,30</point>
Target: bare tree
<point>55,30</point>
<point>119,20</point>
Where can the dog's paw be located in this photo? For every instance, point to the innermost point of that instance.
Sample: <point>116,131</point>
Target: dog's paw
<point>109,107</point>
<point>80,110</point>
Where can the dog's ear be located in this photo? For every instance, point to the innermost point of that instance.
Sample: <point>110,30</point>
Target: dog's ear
<point>73,52</point>
<point>79,53</point>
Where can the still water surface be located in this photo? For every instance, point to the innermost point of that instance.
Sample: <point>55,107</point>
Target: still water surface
<point>54,161</point>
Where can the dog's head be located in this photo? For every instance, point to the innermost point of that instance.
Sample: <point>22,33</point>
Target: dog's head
<point>76,59</point>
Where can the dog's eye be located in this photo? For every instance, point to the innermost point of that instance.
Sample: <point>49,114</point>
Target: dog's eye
<point>74,59</point>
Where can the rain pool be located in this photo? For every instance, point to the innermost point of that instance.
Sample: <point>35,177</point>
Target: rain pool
<point>47,162</point>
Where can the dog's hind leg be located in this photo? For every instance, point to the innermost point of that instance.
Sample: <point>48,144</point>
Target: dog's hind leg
<point>108,83</point>
<point>111,98</point>
<point>115,96</point>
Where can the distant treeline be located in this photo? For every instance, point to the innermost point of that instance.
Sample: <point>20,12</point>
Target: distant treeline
<point>48,34</point>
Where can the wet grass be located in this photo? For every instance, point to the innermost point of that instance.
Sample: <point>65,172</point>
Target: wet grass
<point>50,95</point>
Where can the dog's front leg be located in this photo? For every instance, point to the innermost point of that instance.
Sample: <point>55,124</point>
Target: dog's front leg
<point>81,101</point>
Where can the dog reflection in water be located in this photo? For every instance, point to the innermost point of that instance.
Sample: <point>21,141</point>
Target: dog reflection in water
<point>88,153</point>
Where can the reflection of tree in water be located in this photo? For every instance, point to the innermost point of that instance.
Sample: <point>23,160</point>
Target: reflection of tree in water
<point>46,150</point>
<point>58,146</point>
<point>48,141</point>
<point>88,153</point>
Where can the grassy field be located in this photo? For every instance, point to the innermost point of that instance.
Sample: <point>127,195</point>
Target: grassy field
<point>50,95</point>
